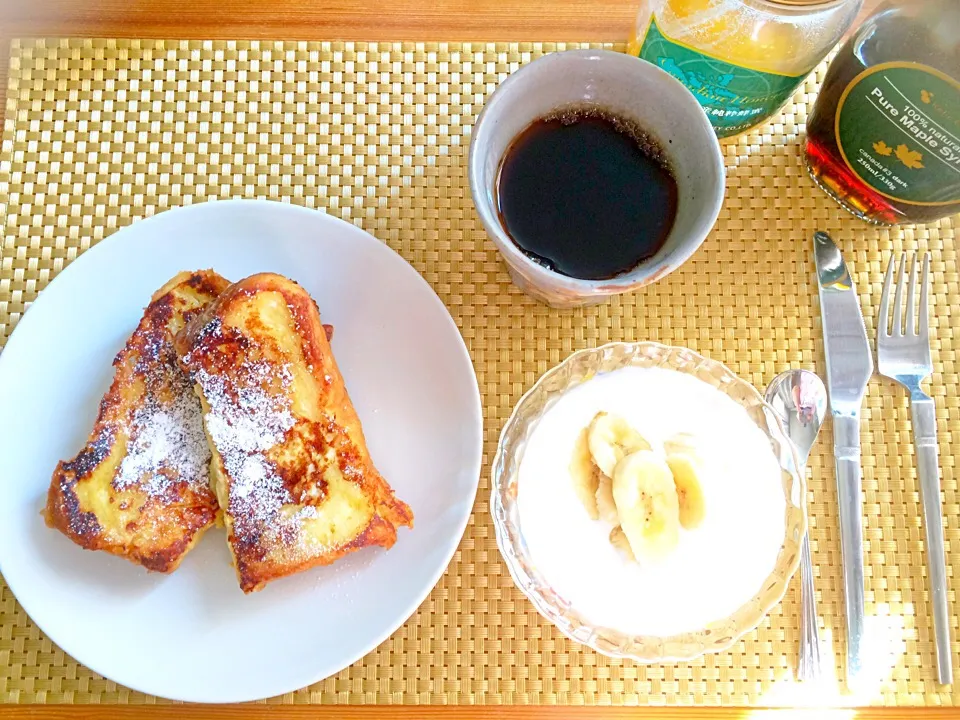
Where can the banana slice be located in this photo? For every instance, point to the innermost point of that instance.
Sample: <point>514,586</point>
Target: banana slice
<point>647,504</point>
<point>586,477</point>
<point>610,439</point>
<point>686,476</point>
<point>619,540</point>
<point>681,444</point>
<point>606,506</point>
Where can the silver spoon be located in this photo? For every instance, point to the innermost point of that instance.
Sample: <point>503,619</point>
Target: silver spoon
<point>799,400</point>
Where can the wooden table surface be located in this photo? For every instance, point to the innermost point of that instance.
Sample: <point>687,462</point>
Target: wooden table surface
<point>453,20</point>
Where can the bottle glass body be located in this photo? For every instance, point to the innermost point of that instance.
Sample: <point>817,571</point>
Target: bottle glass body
<point>883,139</point>
<point>742,59</point>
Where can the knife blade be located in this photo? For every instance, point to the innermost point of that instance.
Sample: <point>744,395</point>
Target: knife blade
<point>849,368</point>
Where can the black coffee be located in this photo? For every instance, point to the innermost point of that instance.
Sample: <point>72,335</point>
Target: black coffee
<point>587,194</point>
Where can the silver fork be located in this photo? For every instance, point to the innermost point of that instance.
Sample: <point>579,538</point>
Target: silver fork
<point>904,355</point>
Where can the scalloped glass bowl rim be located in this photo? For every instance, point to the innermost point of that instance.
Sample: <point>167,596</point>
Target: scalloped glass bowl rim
<point>719,635</point>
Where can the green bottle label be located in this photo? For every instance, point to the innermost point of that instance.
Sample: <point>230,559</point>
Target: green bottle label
<point>734,97</point>
<point>898,129</point>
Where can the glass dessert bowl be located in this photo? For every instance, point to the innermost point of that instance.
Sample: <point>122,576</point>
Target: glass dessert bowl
<point>722,578</point>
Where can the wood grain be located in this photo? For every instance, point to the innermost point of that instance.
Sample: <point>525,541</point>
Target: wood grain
<point>288,712</point>
<point>487,20</point>
<point>326,19</point>
<point>381,20</point>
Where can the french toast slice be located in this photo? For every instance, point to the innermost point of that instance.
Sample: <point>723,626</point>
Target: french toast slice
<point>140,487</point>
<point>290,465</point>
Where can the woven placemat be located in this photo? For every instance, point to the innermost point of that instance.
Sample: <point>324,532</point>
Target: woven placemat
<point>99,133</point>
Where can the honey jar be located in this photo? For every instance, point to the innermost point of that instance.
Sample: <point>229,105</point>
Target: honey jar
<point>742,59</point>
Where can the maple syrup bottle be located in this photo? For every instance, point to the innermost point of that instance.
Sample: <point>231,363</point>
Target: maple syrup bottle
<point>884,136</point>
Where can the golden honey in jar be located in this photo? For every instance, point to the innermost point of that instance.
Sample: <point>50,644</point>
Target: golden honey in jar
<point>741,59</point>
<point>883,139</point>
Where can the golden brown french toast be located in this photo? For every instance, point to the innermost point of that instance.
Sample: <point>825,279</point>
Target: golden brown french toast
<point>140,487</point>
<point>290,466</point>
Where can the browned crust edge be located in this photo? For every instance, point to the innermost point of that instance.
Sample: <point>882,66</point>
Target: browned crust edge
<point>62,511</point>
<point>391,512</point>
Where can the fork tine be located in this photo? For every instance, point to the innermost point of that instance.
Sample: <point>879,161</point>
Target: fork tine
<point>898,297</point>
<point>911,308</point>
<point>883,326</point>
<point>924,296</point>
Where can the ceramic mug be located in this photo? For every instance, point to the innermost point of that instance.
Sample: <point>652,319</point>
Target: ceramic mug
<point>633,89</point>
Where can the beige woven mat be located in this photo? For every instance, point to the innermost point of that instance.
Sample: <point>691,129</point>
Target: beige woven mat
<point>100,132</point>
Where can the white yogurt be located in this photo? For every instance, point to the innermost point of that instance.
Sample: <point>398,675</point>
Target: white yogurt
<point>716,568</point>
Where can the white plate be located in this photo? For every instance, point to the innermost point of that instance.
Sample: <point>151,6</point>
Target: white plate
<point>193,635</point>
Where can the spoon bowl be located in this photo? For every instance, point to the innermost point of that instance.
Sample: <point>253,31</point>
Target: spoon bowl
<point>799,400</point>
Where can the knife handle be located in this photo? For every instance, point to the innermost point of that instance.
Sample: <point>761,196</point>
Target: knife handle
<point>846,450</point>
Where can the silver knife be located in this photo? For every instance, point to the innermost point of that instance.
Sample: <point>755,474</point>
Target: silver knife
<point>849,367</point>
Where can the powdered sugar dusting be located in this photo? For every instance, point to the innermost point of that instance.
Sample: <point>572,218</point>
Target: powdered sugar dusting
<point>256,421</point>
<point>306,512</point>
<point>166,444</point>
<point>245,420</point>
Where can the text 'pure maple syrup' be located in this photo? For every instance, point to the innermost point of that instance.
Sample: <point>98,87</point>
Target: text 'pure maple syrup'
<point>884,136</point>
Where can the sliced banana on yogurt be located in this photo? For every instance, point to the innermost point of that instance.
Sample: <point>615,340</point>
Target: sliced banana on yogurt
<point>681,443</point>
<point>686,471</point>
<point>610,439</point>
<point>606,506</point>
<point>619,540</point>
<point>647,504</point>
<point>586,476</point>
<point>645,496</point>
